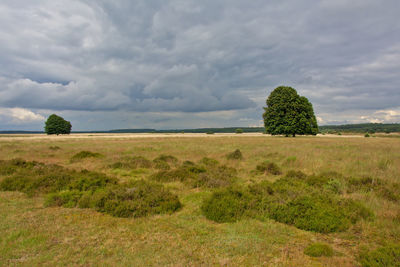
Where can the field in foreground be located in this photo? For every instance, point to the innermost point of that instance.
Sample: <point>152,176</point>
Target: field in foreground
<point>33,234</point>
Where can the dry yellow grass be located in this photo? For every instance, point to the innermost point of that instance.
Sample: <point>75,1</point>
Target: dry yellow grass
<point>33,235</point>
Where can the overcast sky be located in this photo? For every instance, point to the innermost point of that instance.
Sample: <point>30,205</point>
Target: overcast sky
<point>188,64</point>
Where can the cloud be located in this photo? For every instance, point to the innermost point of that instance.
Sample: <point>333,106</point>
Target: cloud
<point>190,57</point>
<point>20,115</point>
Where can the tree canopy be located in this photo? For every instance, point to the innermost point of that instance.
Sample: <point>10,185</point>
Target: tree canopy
<point>289,113</point>
<point>57,125</point>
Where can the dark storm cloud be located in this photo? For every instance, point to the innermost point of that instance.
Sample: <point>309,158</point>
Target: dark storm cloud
<point>141,57</point>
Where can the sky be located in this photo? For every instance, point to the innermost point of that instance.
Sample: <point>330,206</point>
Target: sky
<point>191,64</point>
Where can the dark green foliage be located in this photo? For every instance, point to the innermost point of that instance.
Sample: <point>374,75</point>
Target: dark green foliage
<point>288,113</point>
<point>209,162</point>
<point>269,168</point>
<point>85,154</point>
<point>136,199</point>
<point>164,162</point>
<point>179,174</point>
<point>386,256</point>
<point>228,205</point>
<point>319,250</point>
<point>235,155</point>
<point>239,130</point>
<point>367,135</point>
<point>305,202</point>
<point>133,163</point>
<point>363,128</point>
<point>209,132</point>
<point>35,178</point>
<point>161,165</point>
<point>54,148</point>
<point>167,158</point>
<point>319,213</point>
<point>67,199</point>
<point>87,189</point>
<point>57,125</point>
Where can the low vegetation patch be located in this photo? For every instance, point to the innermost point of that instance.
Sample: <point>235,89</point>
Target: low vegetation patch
<point>228,205</point>
<point>199,175</point>
<point>383,256</point>
<point>235,155</point>
<point>86,189</point>
<point>296,199</point>
<point>83,155</point>
<point>54,148</point>
<point>133,163</point>
<point>269,168</point>
<point>319,250</point>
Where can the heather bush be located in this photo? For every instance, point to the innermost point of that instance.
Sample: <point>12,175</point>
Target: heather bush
<point>83,155</point>
<point>319,250</point>
<point>227,205</point>
<point>269,168</point>
<point>133,163</point>
<point>235,155</point>
<point>136,199</point>
<point>381,257</point>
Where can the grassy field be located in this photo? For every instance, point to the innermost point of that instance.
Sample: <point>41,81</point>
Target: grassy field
<point>32,234</point>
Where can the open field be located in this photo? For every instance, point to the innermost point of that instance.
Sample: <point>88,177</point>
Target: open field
<point>32,234</point>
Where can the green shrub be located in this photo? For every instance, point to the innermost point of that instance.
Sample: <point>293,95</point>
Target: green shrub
<point>167,158</point>
<point>335,186</point>
<point>321,213</point>
<point>382,257</point>
<point>367,135</point>
<point>133,163</point>
<point>34,178</point>
<point>8,167</point>
<point>180,174</point>
<point>161,165</point>
<point>54,148</point>
<point>313,213</point>
<point>209,162</point>
<point>90,181</point>
<point>198,176</point>
<point>214,177</point>
<point>290,200</point>
<point>67,199</point>
<point>83,155</point>
<point>239,131</point>
<point>137,199</point>
<point>318,250</point>
<point>228,205</point>
<point>269,168</point>
<point>210,132</point>
<point>235,155</point>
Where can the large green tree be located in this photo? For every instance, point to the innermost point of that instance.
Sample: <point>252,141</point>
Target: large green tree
<point>288,113</point>
<point>57,125</point>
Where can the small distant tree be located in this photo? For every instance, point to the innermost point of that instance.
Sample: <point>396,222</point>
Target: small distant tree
<point>57,125</point>
<point>239,131</point>
<point>288,113</point>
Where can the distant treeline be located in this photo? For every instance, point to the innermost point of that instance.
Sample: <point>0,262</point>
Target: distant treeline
<point>362,128</point>
<point>199,130</point>
<point>354,128</point>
